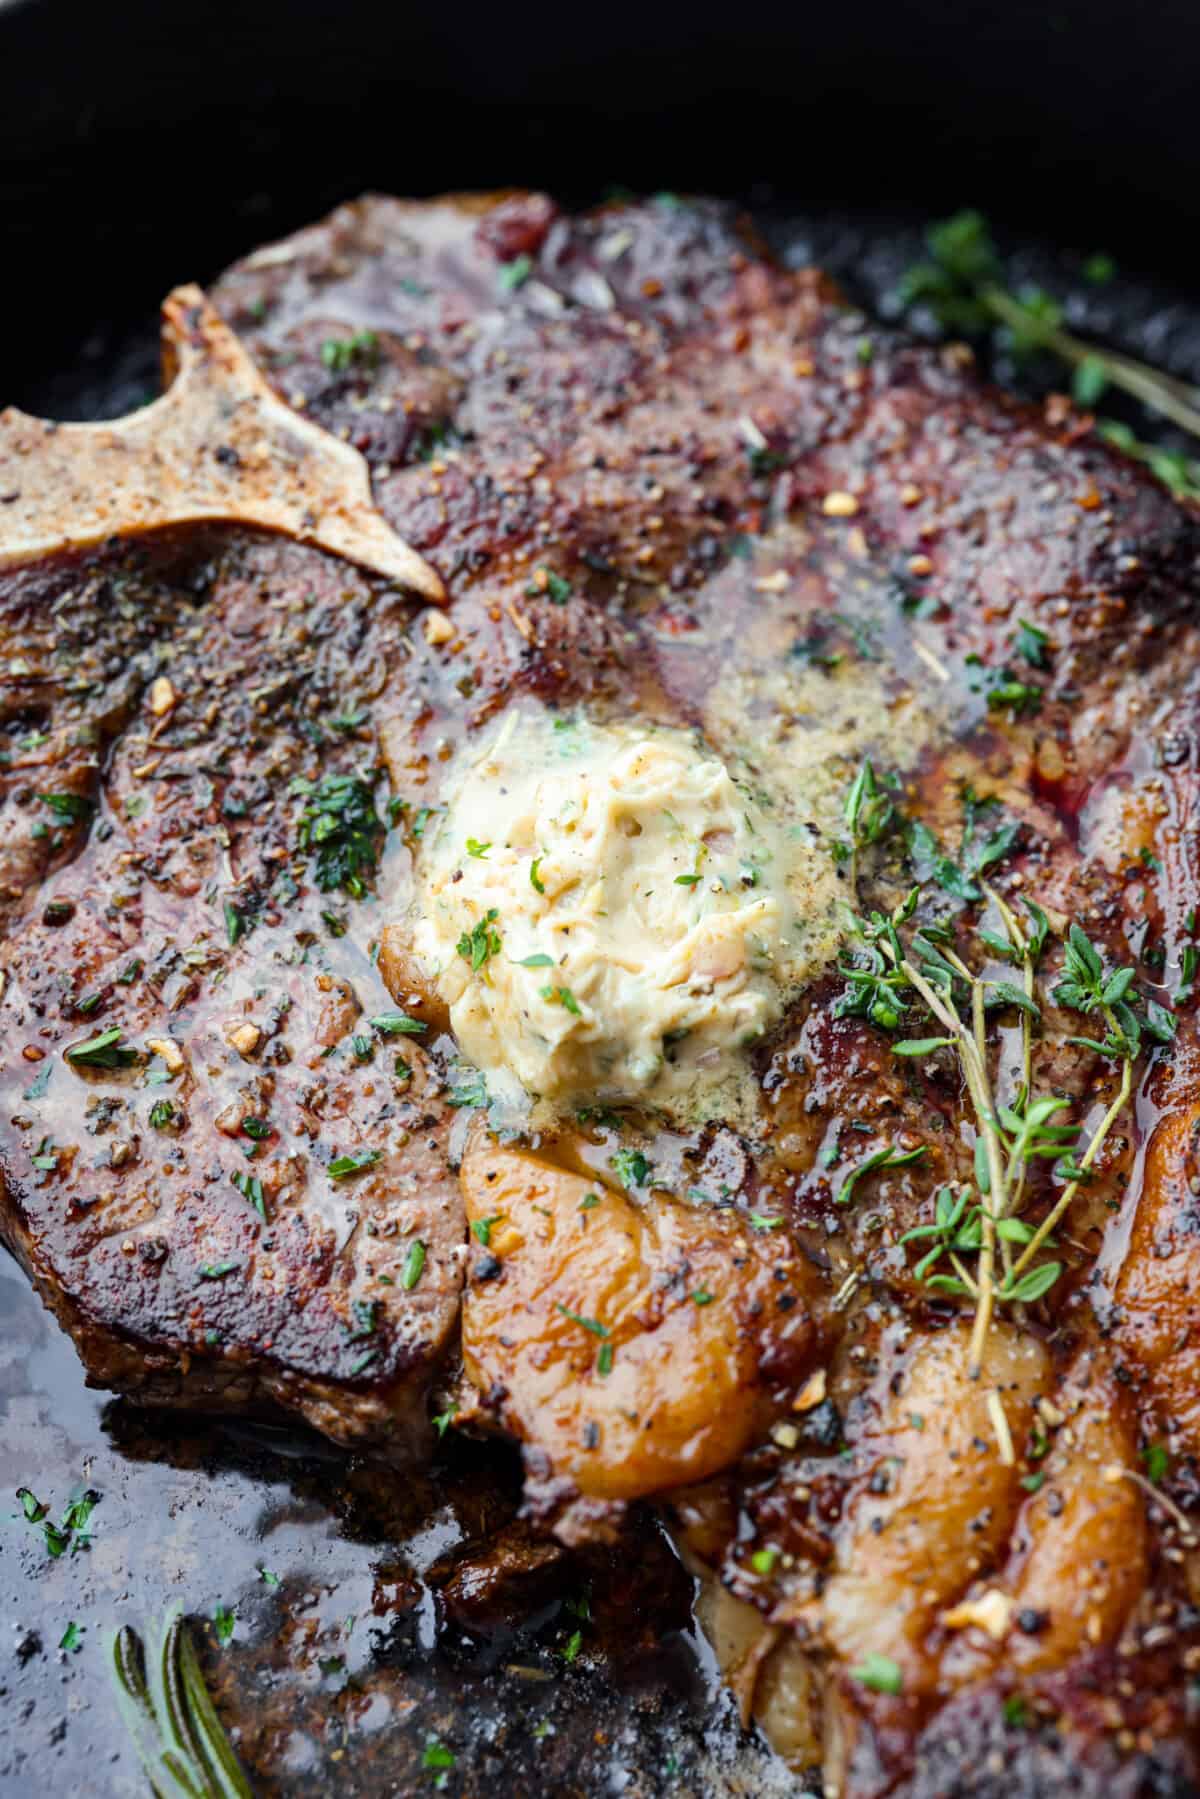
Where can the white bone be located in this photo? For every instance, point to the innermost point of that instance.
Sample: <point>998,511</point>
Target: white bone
<point>217,446</point>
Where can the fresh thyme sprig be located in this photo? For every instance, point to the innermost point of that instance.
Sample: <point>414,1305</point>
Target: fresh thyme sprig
<point>962,285</point>
<point>180,1741</point>
<point>887,977</point>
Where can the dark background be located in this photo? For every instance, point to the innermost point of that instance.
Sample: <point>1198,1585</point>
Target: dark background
<point>143,142</point>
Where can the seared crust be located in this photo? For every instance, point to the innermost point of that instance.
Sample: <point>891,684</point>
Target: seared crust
<point>737,479</point>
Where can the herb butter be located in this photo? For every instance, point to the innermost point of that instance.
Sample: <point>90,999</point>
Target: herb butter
<point>609,915</point>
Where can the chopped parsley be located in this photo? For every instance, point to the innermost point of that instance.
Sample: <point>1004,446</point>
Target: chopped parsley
<point>72,808</point>
<point>534,880</point>
<point>342,1167</point>
<point>397,1024</point>
<point>162,1113</point>
<point>414,1265</point>
<point>340,353</point>
<point>589,1324</point>
<point>72,1637</point>
<point>562,996</point>
<point>481,942</point>
<point>630,1167</point>
<point>514,274</point>
<point>879,1673</point>
<point>482,1228</point>
<point>342,828</point>
<point>555,586</point>
<point>224,1619</point>
<point>477,849</point>
<point>215,1271</point>
<point>104,1051</point>
<point>251,1188</point>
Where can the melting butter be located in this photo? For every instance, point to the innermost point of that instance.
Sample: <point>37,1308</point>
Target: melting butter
<point>611,915</point>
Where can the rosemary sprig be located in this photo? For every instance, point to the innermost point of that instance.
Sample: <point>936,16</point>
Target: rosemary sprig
<point>180,1741</point>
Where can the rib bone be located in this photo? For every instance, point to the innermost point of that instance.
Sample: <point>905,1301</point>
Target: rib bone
<point>217,446</point>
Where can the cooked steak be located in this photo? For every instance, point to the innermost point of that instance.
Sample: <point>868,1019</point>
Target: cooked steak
<point>661,478</point>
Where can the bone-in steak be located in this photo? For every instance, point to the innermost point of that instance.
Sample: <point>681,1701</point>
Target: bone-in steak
<point>657,474</point>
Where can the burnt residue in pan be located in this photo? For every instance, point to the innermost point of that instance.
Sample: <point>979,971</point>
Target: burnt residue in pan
<point>360,1625</point>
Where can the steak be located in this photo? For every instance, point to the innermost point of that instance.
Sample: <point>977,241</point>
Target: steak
<point>658,475</point>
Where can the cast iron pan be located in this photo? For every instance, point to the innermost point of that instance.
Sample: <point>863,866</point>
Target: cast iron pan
<point>142,145</point>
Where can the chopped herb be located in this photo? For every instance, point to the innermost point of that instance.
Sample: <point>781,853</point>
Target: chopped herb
<point>224,1619</point>
<point>104,1051</point>
<point>604,1359</point>
<point>588,1201</point>
<point>687,880</point>
<point>1017,1714</point>
<point>256,1128</point>
<point>366,1317</point>
<point>589,1324</point>
<point>342,1167</point>
<point>702,1296</point>
<point>1033,1483</point>
<point>72,1637</point>
<point>891,1157</point>
<point>72,808</point>
<point>251,1188</point>
<point>268,1578</point>
<point>215,1271</point>
<point>559,591</point>
<point>340,824</point>
<point>481,942</point>
<point>477,849</point>
<point>1031,643</point>
<point>879,1673</point>
<point>514,274</point>
<point>468,1089</point>
<point>1018,696</point>
<point>235,923</point>
<point>539,961</point>
<point>397,1024</point>
<point>444,1420</point>
<point>1157,1462</point>
<point>414,1264</point>
<point>482,1228</point>
<point>630,1167</point>
<point>161,1114</point>
<point>340,353</point>
<point>534,882</point>
<point>562,996</point>
<point>762,1223</point>
<point>763,1560</point>
<point>573,1645</point>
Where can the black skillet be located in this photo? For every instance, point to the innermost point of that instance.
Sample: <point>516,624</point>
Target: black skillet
<point>143,144</point>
